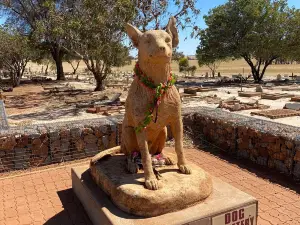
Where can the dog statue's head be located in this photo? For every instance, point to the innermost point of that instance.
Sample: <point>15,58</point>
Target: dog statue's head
<point>155,46</point>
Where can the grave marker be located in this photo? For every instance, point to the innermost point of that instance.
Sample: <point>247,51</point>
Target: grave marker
<point>3,117</point>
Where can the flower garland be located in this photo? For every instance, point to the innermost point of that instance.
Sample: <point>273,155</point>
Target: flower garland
<point>158,92</point>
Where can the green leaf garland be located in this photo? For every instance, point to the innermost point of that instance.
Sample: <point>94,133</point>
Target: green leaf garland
<point>158,91</point>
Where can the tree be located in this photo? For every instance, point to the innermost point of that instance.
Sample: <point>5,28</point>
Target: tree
<point>183,64</point>
<point>255,30</point>
<point>15,54</point>
<point>208,58</point>
<point>192,70</point>
<point>176,56</point>
<point>44,22</point>
<point>97,35</point>
<point>154,14</point>
<point>74,62</point>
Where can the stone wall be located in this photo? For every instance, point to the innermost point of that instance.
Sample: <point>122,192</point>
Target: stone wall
<point>22,148</point>
<point>263,142</point>
<point>266,143</point>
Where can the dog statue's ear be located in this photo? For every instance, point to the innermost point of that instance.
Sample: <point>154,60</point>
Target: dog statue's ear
<point>172,31</point>
<point>134,34</point>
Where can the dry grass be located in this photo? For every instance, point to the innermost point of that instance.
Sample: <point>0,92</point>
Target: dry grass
<point>226,68</point>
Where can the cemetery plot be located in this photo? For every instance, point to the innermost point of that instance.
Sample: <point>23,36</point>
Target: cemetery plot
<point>295,99</point>
<point>277,113</point>
<point>209,99</point>
<point>249,94</point>
<point>233,106</point>
<point>275,96</point>
<point>194,90</point>
<point>185,95</point>
<point>105,109</point>
<point>291,89</point>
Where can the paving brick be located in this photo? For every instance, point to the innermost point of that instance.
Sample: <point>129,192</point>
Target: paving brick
<point>273,220</point>
<point>23,209</point>
<point>25,219</point>
<point>49,199</point>
<point>12,221</point>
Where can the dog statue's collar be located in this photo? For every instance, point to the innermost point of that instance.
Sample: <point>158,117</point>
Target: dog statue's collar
<point>158,91</point>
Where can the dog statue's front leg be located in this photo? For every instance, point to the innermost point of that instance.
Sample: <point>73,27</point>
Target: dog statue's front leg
<point>177,131</point>
<point>150,179</point>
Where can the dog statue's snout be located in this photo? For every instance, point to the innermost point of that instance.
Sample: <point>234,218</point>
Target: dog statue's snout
<point>162,48</point>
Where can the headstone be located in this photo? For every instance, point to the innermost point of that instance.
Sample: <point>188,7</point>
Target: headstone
<point>279,77</point>
<point>3,117</point>
<point>259,89</point>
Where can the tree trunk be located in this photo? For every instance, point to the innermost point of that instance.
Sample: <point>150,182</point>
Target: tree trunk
<point>46,70</point>
<point>57,55</point>
<point>16,79</point>
<point>213,73</point>
<point>99,82</point>
<point>75,68</point>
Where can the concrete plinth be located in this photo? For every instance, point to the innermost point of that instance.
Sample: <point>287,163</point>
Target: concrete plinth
<point>225,206</point>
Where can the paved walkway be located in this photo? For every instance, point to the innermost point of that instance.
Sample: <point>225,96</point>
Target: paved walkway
<point>46,197</point>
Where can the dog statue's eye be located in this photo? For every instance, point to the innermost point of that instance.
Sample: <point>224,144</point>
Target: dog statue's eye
<point>148,41</point>
<point>168,40</point>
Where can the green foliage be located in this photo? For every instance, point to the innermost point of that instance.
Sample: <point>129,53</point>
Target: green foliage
<point>155,14</point>
<point>97,33</point>
<point>15,52</point>
<point>183,64</point>
<point>45,22</point>
<point>158,92</point>
<point>192,70</point>
<point>255,30</point>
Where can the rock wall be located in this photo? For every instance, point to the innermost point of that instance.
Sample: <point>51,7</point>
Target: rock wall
<point>22,148</point>
<point>266,143</point>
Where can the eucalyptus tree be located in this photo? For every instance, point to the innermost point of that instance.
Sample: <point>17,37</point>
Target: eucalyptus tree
<point>44,21</point>
<point>255,30</point>
<point>97,35</point>
<point>15,53</point>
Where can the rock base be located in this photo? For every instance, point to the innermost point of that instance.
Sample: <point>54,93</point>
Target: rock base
<point>225,205</point>
<point>177,191</point>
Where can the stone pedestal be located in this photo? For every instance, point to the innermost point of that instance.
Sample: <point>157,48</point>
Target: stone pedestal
<point>177,191</point>
<point>226,205</point>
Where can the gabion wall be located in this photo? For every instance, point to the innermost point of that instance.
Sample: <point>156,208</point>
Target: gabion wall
<point>26,147</point>
<point>266,143</point>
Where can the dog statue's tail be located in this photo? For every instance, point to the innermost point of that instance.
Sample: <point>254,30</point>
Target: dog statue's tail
<point>100,155</point>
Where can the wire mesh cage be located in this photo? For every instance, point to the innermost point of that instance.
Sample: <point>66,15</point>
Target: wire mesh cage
<point>44,144</point>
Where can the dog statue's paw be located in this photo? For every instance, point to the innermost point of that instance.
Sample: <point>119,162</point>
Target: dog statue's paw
<point>152,184</point>
<point>185,169</point>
